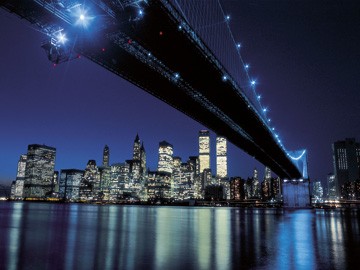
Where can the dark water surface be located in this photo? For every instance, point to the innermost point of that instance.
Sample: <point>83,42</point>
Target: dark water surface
<point>76,236</point>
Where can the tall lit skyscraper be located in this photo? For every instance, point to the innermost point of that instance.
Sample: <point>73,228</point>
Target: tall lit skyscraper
<point>106,156</point>
<point>204,150</point>
<point>69,184</point>
<point>39,171</point>
<point>20,178</point>
<point>165,157</point>
<point>267,173</point>
<point>136,149</point>
<point>221,157</point>
<point>346,155</point>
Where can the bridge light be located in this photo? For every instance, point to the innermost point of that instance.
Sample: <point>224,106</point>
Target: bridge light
<point>253,82</point>
<point>82,17</point>
<point>179,27</point>
<point>177,76</point>
<point>238,45</point>
<point>273,129</point>
<point>259,97</point>
<point>224,78</point>
<point>61,38</point>
<point>141,12</point>
<point>277,136</point>
<point>269,120</point>
<point>227,18</point>
<point>265,110</point>
<point>247,66</point>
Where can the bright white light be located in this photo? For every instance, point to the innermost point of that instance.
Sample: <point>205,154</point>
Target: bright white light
<point>227,17</point>
<point>247,66</point>
<point>269,120</point>
<point>61,38</point>
<point>224,78</point>
<point>273,129</point>
<point>238,45</point>
<point>253,82</point>
<point>177,76</point>
<point>141,12</point>
<point>82,17</point>
<point>265,110</point>
<point>258,97</point>
<point>277,136</point>
<point>180,27</point>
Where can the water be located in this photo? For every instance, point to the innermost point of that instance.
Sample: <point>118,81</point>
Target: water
<point>76,236</point>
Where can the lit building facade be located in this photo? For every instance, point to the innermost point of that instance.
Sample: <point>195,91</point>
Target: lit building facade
<point>39,171</point>
<point>346,157</point>
<point>106,156</point>
<point>18,189</point>
<point>69,184</point>
<point>237,190</point>
<point>331,187</point>
<point>221,157</point>
<point>204,150</point>
<point>90,183</point>
<point>165,163</point>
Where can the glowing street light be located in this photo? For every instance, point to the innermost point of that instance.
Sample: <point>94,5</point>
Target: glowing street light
<point>253,82</point>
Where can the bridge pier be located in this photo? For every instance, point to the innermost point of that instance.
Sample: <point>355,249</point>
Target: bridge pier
<point>296,193</point>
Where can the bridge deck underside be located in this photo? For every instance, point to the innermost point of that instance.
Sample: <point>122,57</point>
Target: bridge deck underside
<point>158,33</point>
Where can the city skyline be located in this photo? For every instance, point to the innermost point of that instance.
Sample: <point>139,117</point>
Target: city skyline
<point>321,77</point>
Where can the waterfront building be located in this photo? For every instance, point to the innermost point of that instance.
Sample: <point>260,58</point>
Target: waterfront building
<point>204,150</point>
<point>221,157</point>
<point>18,186</point>
<point>69,184</point>
<point>214,193</point>
<point>119,181</point>
<point>317,191</point>
<point>237,189</point>
<point>346,156</point>
<point>165,163</point>
<point>90,183</point>
<point>331,187</point>
<point>256,185</point>
<point>39,171</point>
<point>159,186</point>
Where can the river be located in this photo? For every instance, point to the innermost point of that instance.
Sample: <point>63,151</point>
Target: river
<point>80,236</point>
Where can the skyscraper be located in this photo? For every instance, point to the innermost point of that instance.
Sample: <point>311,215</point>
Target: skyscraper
<point>204,150</point>
<point>346,156</point>
<point>136,149</point>
<point>69,184</point>
<point>221,157</point>
<point>165,163</point>
<point>106,156</point>
<point>39,171</point>
<point>20,178</point>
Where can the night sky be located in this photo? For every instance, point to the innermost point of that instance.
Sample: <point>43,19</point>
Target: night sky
<point>304,54</point>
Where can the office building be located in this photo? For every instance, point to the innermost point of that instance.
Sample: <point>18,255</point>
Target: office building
<point>106,156</point>
<point>165,163</point>
<point>221,157</point>
<point>204,150</point>
<point>346,157</point>
<point>69,184</point>
<point>39,171</point>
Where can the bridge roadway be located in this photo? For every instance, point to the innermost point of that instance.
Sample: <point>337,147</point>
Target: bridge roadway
<point>160,53</point>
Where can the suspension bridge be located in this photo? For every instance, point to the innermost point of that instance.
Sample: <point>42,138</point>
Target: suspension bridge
<point>182,52</point>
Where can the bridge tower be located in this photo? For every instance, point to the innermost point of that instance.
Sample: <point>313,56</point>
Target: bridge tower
<point>296,192</point>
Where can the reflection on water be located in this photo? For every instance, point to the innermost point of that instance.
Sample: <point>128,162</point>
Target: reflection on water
<point>75,236</point>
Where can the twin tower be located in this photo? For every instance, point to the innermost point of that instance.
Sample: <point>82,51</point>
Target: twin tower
<point>221,153</point>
